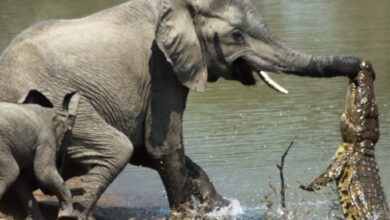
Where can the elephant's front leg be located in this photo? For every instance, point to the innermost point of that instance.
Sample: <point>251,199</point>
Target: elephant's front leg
<point>201,186</point>
<point>47,175</point>
<point>164,138</point>
<point>181,177</point>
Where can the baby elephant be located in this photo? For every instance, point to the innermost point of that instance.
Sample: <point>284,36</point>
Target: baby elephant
<point>33,139</point>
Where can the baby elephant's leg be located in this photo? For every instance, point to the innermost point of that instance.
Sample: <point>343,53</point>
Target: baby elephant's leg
<point>9,171</point>
<point>48,177</point>
<point>25,195</point>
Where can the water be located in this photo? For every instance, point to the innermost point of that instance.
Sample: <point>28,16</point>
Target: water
<point>237,134</point>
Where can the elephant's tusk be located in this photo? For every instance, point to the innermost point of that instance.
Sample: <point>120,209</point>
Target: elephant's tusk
<point>271,83</point>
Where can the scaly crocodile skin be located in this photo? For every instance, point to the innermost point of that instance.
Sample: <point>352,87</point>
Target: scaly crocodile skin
<point>354,168</point>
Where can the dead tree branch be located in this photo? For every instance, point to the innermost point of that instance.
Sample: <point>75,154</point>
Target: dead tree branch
<point>282,184</point>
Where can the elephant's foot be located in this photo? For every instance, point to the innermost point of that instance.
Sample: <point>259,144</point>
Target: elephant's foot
<point>203,189</point>
<point>66,210</point>
<point>207,200</point>
<point>203,202</point>
<point>83,202</point>
<point>67,215</point>
<point>82,209</point>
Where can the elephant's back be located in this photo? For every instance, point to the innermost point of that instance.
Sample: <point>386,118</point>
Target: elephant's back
<point>109,69</point>
<point>19,64</point>
<point>104,56</point>
<point>20,118</point>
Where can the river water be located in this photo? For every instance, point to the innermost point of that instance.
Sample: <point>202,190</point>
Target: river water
<point>238,134</point>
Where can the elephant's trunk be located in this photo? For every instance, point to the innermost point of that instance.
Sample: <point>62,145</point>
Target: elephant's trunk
<point>273,56</point>
<point>301,64</point>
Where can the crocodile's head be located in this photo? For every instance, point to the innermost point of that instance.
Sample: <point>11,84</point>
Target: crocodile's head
<point>360,119</point>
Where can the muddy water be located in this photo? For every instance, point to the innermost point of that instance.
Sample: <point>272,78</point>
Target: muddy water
<point>238,134</point>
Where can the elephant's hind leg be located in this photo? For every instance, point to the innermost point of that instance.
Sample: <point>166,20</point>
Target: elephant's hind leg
<point>24,193</point>
<point>9,172</point>
<point>101,149</point>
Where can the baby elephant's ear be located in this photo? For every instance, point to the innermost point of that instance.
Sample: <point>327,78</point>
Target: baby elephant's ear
<point>36,97</point>
<point>71,103</point>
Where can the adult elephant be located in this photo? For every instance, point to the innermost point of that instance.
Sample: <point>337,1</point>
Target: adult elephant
<point>134,65</point>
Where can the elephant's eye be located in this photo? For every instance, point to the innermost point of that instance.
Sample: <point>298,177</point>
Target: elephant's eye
<point>237,36</point>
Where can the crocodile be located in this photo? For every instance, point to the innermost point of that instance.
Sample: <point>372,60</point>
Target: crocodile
<point>354,168</point>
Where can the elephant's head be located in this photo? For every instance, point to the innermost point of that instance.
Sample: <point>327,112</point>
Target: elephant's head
<point>63,120</point>
<point>208,39</point>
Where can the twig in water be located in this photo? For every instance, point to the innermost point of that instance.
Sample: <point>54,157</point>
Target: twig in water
<point>282,185</point>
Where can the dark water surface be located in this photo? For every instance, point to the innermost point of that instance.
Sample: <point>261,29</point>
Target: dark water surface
<point>238,134</point>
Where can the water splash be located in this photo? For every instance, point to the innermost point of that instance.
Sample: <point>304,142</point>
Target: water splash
<point>233,210</point>
<point>303,210</point>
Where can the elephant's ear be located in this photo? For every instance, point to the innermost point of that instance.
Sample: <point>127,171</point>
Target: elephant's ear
<point>70,103</point>
<point>178,38</point>
<point>36,97</point>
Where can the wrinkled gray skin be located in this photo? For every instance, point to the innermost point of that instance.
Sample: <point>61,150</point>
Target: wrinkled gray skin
<point>134,65</point>
<point>33,136</point>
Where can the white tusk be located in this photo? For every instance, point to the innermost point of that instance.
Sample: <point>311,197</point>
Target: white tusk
<point>271,83</point>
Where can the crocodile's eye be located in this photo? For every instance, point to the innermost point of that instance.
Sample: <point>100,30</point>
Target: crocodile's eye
<point>237,36</point>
